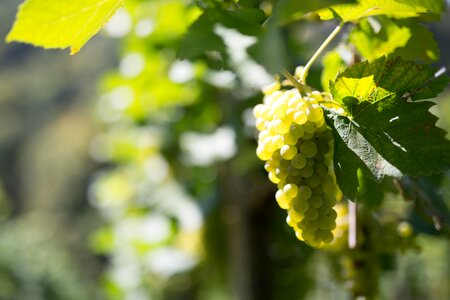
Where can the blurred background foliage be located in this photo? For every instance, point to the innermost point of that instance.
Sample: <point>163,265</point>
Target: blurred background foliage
<point>128,173</point>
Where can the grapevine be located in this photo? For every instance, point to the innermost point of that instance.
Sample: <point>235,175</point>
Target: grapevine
<point>296,144</point>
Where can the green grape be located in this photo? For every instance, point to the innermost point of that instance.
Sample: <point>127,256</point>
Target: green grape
<point>289,139</point>
<point>316,201</point>
<point>292,171</point>
<point>299,161</point>
<point>295,142</point>
<point>308,136</point>
<point>296,130</point>
<point>306,172</point>
<point>310,127</point>
<point>309,149</point>
<point>297,209</point>
<point>304,192</point>
<point>326,223</point>
<point>311,214</point>
<point>321,170</point>
<point>313,181</point>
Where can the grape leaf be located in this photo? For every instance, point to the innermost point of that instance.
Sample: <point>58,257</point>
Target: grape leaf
<point>286,11</point>
<point>61,23</point>
<point>384,133</point>
<point>421,45</point>
<point>382,36</point>
<point>367,8</point>
<point>433,6</point>
<point>201,37</point>
<point>386,77</point>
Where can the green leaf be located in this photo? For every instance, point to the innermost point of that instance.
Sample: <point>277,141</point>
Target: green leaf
<point>61,23</point>
<point>346,162</point>
<point>384,133</point>
<point>382,36</point>
<point>383,78</point>
<point>433,6</point>
<point>286,11</point>
<point>367,8</point>
<point>372,44</point>
<point>421,45</point>
<point>201,37</point>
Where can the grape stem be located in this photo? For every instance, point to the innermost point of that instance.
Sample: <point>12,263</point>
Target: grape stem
<point>292,79</point>
<point>322,47</point>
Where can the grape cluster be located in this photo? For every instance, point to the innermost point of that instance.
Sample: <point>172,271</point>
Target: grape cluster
<point>294,140</point>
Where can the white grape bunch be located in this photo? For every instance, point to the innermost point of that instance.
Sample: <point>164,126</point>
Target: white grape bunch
<point>295,142</point>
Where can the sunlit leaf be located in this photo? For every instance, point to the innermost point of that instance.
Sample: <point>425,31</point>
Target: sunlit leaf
<point>286,11</point>
<point>386,77</point>
<point>61,23</point>
<point>377,37</point>
<point>367,8</point>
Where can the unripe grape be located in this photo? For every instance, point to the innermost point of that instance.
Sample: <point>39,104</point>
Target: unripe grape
<point>310,127</point>
<point>308,136</point>
<point>309,149</point>
<point>304,192</point>
<point>293,171</point>
<point>313,181</point>
<point>316,201</point>
<point>289,139</point>
<point>311,214</point>
<point>296,130</point>
<point>306,172</point>
<point>281,172</point>
<point>299,161</point>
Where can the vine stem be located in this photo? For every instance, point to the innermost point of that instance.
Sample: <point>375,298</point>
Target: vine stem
<point>322,47</point>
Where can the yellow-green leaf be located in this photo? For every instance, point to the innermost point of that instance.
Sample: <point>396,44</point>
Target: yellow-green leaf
<point>367,8</point>
<point>61,23</point>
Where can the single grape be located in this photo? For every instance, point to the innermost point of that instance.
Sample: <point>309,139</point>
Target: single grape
<point>309,149</point>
